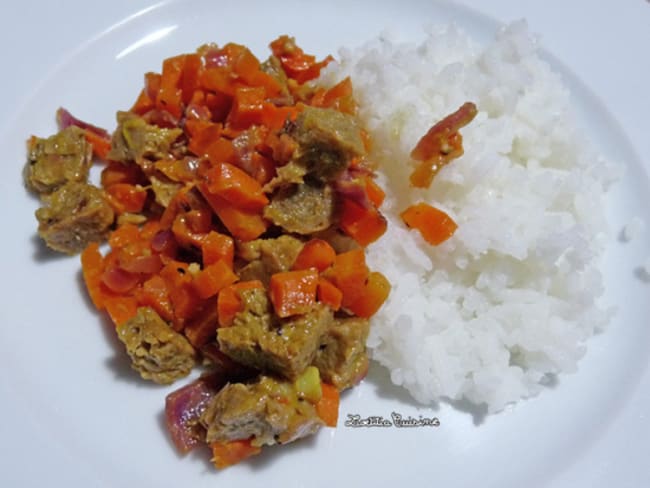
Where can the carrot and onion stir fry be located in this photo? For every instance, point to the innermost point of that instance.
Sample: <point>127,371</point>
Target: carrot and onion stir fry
<point>236,199</point>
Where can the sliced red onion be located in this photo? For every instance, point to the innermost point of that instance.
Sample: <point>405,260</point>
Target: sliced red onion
<point>163,242</point>
<point>142,264</point>
<point>66,119</point>
<point>119,280</point>
<point>160,118</point>
<point>184,407</point>
<point>351,184</point>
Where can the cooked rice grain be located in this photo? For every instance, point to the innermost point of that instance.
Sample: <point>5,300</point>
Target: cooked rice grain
<point>512,297</point>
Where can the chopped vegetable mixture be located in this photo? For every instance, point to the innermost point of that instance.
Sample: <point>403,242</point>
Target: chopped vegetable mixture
<point>236,199</point>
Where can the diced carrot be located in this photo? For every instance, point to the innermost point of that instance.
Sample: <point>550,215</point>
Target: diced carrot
<point>101,145</point>
<point>373,294</point>
<point>338,97</point>
<point>327,407</point>
<point>329,294</point>
<point>182,294</point>
<point>364,225</point>
<point>274,117</point>
<point>143,103</point>
<point>244,63</point>
<point>189,82</point>
<point>342,89</point>
<point>260,167</point>
<point>242,224</point>
<point>149,229</point>
<point>297,65</point>
<point>185,302</point>
<point>248,69</point>
<point>180,203</point>
<point>316,253</point>
<point>247,107</point>
<point>236,186</point>
<point>374,192</point>
<point>226,454</point>
<point>125,197</point>
<point>152,85</point>
<point>219,105</point>
<point>184,170</point>
<point>318,98</point>
<point>282,146</point>
<point>217,247</point>
<point>120,309</point>
<point>123,236</point>
<point>434,225</point>
<point>218,79</point>
<point>115,172</point>
<point>202,135</point>
<point>190,228</point>
<point>349,274</point>
<point>211,279</point>
<point>154,293</point>
<point>229,302</point>
<point>202,328</point>
<point>170,95</point>
<point>221,150</point>
<point>92,267</point>
<point>293,292</point>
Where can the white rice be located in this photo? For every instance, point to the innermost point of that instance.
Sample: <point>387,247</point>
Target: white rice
<point>493,313</point>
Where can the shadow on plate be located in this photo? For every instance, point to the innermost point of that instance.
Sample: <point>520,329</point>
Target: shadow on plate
<point>379,377</point>
<point>270,453</point>
<point>83,293</point>
<point>640,273</point>
<point>478,412</point>
<point>200,454</point>
<point>43,254</point>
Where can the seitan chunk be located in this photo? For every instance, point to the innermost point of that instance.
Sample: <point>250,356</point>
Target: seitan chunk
<point>267,256</point>
<point>336,238</point>
<point>341,359</point>
<point>73,216</point>
<point>302,209</point>
<point>267,410</point>
<point>260,340</point>
<point>255,270</point>
<point>273,67</point>
<point>289,175</point>
<point>157,352</point>
<point>57,160</point>
<point>327,140</point>
<point>164,189</point>
<point>136,140</point>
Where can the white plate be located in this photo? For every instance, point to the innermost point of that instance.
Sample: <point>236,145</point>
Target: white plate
<point>73,414</point>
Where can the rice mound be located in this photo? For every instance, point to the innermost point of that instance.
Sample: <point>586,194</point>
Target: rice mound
<point>495,312</point>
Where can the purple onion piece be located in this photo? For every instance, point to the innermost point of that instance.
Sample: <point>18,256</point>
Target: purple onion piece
<point>184,407</point>
<point>162,240</point>
<point>66,119</point>
<point>351,184</point>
